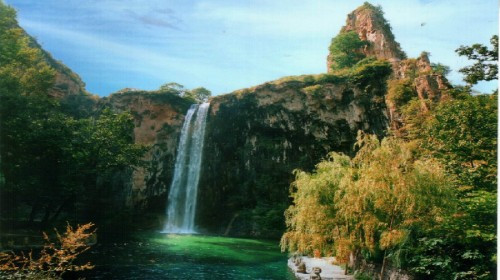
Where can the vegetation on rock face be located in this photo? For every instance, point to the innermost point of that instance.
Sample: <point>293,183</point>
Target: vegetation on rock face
<point>370,73</point>
<point>52,164</point>
<point>424,200</point>
<point>196,95</point>
<point>440,69</point>
<point>400,92</point>
<point>345,50</point>
<point>22,68</point>
<point>199,94</point>
<point>256,147</point>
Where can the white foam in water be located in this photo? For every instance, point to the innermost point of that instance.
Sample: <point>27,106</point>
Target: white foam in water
<point>181,204</point>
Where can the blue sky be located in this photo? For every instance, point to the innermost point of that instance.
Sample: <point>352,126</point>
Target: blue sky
<point>228,45</point>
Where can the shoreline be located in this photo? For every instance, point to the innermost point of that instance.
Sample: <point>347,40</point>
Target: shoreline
<point>329,271</point>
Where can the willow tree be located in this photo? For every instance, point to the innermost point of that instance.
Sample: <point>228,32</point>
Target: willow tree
<point>312,217</point>
<point>389,193</point>
<point>369,204</point>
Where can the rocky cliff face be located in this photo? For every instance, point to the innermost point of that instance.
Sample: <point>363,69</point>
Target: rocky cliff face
<point>427,86</point>
<point>256,137</point>
<point>370,25</point>
<point>67,83</point>
<point>158,119</point>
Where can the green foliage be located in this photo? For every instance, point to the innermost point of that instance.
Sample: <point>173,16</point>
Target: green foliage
<point>362,276</point>
<point>312,216</point>
<point>106,143</point>
<point>400,92</point>
<point>460,132</point>
<point>440,69</point>
<point>345,50</point>
<point>22,68</point>
<point>485,68</point>
<point>198,95</point>
<point>314,90</point>
<point>463,247</point>
<point>50,160</point>
<point>371,73</point>
<point>33,148</point>
<point>463,133</point>
<point>173,88</point>
<point>371,203</point>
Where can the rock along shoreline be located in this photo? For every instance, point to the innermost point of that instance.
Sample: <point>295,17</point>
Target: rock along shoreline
<point>329,271</point>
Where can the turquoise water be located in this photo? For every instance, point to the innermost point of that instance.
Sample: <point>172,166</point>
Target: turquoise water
<point>167,256</point>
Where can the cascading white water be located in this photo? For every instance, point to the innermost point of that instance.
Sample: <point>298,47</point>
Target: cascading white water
<point>181,205</point>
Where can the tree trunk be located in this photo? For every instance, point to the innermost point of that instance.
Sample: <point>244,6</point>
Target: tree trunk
<point>385,251</point>
<point>383,266</point>
<point>45,220</point>
<point>61,207</point>
<point>34,210</point>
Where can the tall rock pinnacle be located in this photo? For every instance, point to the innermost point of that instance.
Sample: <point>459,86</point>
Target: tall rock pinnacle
<point>369,23</point>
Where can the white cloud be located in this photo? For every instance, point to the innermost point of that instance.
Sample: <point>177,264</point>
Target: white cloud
<point>230,44</point>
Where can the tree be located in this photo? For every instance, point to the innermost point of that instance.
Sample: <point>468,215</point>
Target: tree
<point>199,95</point>
<point>345,50</point>
<point>54,260</point>
<point>101,147</point>
<point>173,88</point>
<point>440,69</point>
<point>22,68</point>
<point>388,194</point>
<point>32,129</point>
<point>486,67</point>
<point>368,205</point>
<point>48,158</point>
<point>463,134</point>
<point>312,216</point>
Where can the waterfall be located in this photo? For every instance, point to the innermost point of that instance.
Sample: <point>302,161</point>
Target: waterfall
<point>181,204</point>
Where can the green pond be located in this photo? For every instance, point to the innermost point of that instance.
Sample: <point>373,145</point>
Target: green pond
<point>168,256</point>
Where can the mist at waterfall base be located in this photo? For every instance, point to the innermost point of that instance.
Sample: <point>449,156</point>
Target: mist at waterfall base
<point>181,204</point>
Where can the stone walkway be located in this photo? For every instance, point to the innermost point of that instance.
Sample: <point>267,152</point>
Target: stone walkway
<point>329,271</point>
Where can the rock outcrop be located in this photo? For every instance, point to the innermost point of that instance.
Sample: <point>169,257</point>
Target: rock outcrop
<point>67,83</point>
<point>428,86</point>
<point>256,137</point>
<point>370,25</point>
<point>158,119</point>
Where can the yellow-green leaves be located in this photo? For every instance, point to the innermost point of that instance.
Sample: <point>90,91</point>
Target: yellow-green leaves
<point>312,217</point>
<point>371,202</point>
<point>22,68</point>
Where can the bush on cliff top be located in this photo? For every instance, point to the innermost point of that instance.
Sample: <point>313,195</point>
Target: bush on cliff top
<point>345,50</point>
